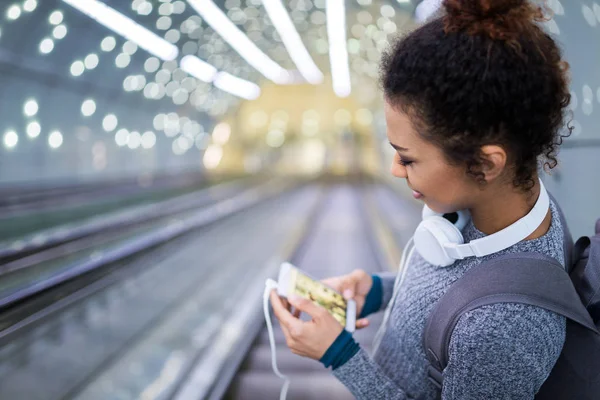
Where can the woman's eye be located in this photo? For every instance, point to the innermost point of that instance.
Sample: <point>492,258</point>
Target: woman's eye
<point>404,163</point>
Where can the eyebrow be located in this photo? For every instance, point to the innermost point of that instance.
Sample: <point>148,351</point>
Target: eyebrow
<point>398,148</point>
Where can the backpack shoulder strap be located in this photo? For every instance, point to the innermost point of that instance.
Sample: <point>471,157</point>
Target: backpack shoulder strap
<point>527,278</point>
<point>567,238</point>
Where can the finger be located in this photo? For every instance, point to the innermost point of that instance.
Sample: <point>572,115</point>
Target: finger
<point>349,286</point>
<point>307,306</point>
<point>289,341</point>
<point>292,333</point>
<point>358,274</point>
<point>333,282</point>
<point>286,304</point>
<point>362,323</point>
<point>282,314</point>
<point>362,280</point>
<point>286,333</point>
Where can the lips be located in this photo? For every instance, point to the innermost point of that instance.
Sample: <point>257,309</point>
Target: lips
<point>417,195</point>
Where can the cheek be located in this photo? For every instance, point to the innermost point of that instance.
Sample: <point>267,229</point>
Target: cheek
<point>444,190</point>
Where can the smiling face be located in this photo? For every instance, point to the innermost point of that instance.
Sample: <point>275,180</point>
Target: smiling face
<point>442,186</point>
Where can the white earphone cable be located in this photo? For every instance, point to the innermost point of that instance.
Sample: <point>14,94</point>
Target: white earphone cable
<point>404,261</point>
<point>406,256</point>
<point>270,284</point>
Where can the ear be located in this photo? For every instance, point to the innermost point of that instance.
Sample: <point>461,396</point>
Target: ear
<point>494,161</point>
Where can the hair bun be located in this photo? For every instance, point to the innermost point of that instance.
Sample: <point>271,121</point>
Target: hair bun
<point>498,19</point>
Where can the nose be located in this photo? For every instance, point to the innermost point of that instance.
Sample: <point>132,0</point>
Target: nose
<point>399,171</point>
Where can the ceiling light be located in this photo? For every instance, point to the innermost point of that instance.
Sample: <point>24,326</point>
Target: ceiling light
<point>91,61</point>
<point>56,18</point>
<point>55,140</point>
<point>212,156</point>
<point>338,54</point>
<point>77,68</point>
<point>59,32</point>
<point>11,139</point>
<point>213,15</point>
<point>88,107</point>
<point>221,133</point>
<point>30,108</point>
<point>292,41</point>
<point>198,68</point>
<point>110,122</point>
<point>30,5</point>
<point>148,140</point>
<point>126,27</point>
<point>13,12</point>
<point>237,86</point>
<point>46,45</point>
<point>108,44</point>
<point>33,129</point>
<point>122,137</point>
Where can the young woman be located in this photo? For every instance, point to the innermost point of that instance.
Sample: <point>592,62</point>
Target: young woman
<point>473,101</point>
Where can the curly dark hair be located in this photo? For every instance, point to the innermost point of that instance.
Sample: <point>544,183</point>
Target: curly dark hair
<point>484,73</point>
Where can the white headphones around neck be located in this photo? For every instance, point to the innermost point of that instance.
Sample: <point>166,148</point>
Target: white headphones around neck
<point>440,242</point>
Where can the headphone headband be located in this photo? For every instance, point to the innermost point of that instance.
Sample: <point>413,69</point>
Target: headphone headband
<point>506,237</point>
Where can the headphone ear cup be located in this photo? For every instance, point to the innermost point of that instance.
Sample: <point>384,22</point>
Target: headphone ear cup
<point>428,212</point>
<point>464,216</point>
<point>432,235</point>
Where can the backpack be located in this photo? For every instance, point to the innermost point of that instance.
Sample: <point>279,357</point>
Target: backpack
<point>515,278</point>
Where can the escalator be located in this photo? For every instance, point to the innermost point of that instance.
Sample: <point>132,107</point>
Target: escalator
<point>155,314</point>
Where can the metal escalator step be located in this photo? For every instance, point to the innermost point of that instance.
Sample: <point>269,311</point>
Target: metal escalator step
<point>306,386</point>
<point>259,360</point>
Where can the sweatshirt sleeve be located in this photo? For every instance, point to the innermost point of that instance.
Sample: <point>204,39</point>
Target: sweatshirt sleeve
<point>387,286</point>
<point>502,351</point>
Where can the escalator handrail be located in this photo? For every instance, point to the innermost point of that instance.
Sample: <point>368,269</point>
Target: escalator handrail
<point>155,237</point>
<point>36,241</point>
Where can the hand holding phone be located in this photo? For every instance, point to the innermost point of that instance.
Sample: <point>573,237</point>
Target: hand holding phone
<point>292,281</point>
<point>355,285</point>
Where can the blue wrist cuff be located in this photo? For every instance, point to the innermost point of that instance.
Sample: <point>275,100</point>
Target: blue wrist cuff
<point>341,350</point>
<point>374,298</point>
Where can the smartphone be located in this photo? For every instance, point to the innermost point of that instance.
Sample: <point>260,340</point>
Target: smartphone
<point>294,281</point>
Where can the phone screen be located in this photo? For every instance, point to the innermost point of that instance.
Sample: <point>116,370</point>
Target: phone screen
<point>320,294</point>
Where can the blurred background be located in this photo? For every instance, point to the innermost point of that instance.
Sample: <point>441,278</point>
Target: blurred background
<point>160,158</point>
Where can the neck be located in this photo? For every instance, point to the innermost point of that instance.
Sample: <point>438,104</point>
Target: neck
<point>501,207</point>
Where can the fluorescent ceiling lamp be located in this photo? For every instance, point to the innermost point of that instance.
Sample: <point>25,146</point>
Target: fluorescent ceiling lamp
<point>222,80</point>
<point>126,27</point>
<point>338,53</point>
<point>292,41</point>
<point>426,9</point>
<point>198,68</point>
<point>214,17</point>
<point>236,86</point>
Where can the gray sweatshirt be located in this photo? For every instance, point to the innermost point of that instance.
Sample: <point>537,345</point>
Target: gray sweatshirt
<point>500,351</point>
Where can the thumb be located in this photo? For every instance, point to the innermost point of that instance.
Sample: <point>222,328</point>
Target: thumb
<point>349,285</point>
<point>307,306</point>
<point>348,293</point>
